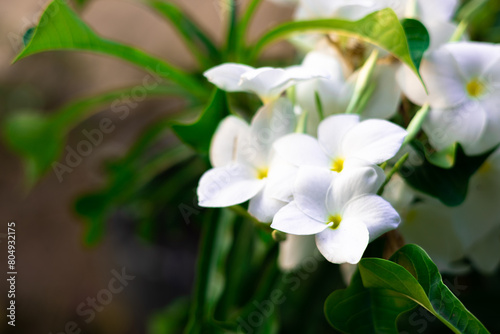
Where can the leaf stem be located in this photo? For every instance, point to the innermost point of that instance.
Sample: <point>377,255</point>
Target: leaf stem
<point>460,31</point>
<point>364,78</point>
<point>416,124</point>
<point>393,171</point>
<point>244,25</point>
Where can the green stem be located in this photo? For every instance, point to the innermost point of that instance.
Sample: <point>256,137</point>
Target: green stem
<point>319,106</point>
<point>416,124</point>
<point>239,210</point>
<point>364,77</point>
<point>212,251</point>
<point>393,171</point>
<point>232,31</point>
<point>244,25</point>
<point>459,32</point>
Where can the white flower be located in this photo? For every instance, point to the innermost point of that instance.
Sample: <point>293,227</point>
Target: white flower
<point>343,139</point>
<point>242,159</point>
<point>267,82</point>
<point>463,80</point>
<point>427,10</point>
<point>340,209</point>
<point>345,9</point>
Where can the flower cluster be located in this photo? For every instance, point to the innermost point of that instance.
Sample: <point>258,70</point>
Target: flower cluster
<point>310,161</point>
<point>324,186</point>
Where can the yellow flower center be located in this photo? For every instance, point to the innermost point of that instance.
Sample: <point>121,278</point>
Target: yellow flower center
<point>335,219</point>
<point>475,88</point>
<point>485,168</point>
<point>411,217</point>
<point>262,173</point>
<point>337,165</point>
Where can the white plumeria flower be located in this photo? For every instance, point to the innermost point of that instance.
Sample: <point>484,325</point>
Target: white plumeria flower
<point>267,82</point>
<point>296,250</point>
<point>342,138</point>
<point>341,209</point>
<point>463,80</point>
<point>427,10</point>
<point>242,158</point>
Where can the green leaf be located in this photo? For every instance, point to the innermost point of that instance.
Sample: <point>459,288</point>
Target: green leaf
<point>444,158</point>
<point>448,185</point>
<point>364,311</point>
<point>244,25</point>
<point>195,39</point>
<point>199,134</point>
<point>413,275</point>
<point>418,39</point>
<point>381,28</point>
<point>383,290</point>
<point>214,249</point>
<point>40,139</point>
<point>62,29</point>
<point>232,28</point>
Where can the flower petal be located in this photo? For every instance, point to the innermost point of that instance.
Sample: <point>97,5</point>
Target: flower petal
<point>301,150</point>
<point>474,58</point>
<point>464,124</point>
<point>263,207</point>
<point>310,190</point>
<point>332,130</point>
<point>386,97</point>
<point>443,78</point>
<point>442,10</point>
<point>352,183</point>
<point>375,212</point>
<point>227,76</point>
<point>295,250</point>
<point>491,133</point>
<point>268,83</point>
<point>290,219</point>
<point>272,121</point>
<point>374,140</point>
<point>346,244</point>
<point>228,186</point>
<point>225,139</point>
<point>440,33</point>
<point>281,179</point>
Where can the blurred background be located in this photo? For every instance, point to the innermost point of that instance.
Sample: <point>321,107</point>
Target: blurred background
<point>57,271</point>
